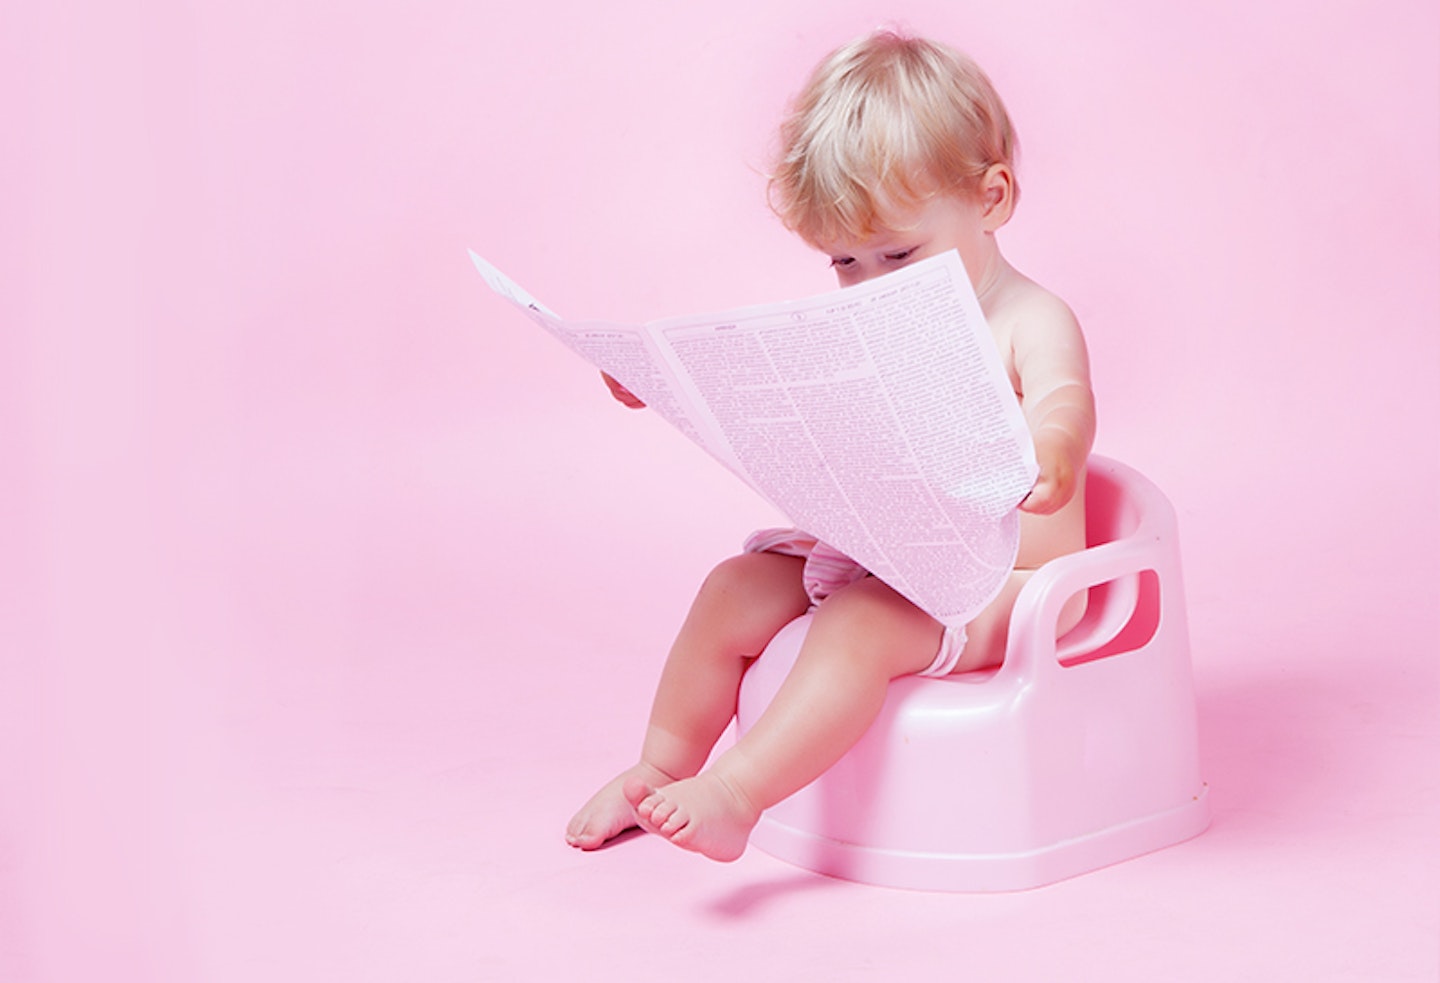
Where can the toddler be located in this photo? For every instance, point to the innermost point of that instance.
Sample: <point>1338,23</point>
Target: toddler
<point>897,149</point>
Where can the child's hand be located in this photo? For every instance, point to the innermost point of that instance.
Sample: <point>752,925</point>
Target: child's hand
<point>1057,481</point>
<point>621,393</point>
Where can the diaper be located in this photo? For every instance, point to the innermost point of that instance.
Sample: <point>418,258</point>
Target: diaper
<point>827,570</point>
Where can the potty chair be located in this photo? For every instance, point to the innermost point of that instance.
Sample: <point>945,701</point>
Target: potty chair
<point>1071,756</point>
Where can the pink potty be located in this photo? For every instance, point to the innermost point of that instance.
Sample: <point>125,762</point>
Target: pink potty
<point>1070,757</point>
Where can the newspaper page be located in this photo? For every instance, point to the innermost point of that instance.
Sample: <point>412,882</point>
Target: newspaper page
<point>878,417</point>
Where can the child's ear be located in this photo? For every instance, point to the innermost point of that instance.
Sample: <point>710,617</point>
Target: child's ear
<point>997,196</point>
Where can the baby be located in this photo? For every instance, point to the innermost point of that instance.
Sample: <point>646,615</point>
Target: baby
<point>897,149</point>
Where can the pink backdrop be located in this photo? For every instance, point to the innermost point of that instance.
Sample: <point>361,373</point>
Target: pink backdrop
<point>286,493</point>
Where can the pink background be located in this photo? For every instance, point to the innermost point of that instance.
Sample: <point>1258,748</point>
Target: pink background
<point>329,587</point>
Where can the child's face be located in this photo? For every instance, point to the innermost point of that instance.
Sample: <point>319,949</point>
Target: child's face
<point>938,225</point>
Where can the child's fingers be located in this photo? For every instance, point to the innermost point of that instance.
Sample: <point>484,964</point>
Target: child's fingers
<point>1034,502</point>
<point>621,393</point>
<point>1044,498</point>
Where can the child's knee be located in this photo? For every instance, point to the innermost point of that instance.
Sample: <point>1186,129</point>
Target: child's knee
<point>757,578</point>
<point>739,573</point>
<point>871,621</point>
<point>867,602</point>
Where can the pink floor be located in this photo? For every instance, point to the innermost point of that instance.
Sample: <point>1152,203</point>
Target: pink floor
<point>328,590</point>
<point>350,755</point>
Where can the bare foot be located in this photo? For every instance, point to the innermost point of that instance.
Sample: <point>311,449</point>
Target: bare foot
<point>704,814</point>
<point>608,813</point>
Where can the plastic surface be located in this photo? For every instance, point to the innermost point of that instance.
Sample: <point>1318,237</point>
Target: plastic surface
<point>1070,757</point>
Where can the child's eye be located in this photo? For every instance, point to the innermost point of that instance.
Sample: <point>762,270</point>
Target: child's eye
<point>903,254</point>
<point>840,262</point>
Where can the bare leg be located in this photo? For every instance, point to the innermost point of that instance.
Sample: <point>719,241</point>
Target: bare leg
<point>739,608</point>
<point>985,637</point>
<point>862,637</point>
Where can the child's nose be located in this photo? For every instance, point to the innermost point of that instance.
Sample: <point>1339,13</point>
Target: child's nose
<point>852,275</point>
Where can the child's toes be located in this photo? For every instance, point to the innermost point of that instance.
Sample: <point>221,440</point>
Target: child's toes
<point>662,811</point>
<point>675,822</point>
<point>637,791</point>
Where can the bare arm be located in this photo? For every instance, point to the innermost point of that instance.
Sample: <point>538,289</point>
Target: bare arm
<point>1054,370</point>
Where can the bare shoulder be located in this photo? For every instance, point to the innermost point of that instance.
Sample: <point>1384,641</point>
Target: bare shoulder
<point>1026,312</point>
<point>1041,337</point>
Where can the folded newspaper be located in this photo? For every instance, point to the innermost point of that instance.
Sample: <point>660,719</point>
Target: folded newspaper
<point>879,418</point>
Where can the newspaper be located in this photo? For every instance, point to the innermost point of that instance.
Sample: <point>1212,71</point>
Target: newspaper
<point>879,418</point>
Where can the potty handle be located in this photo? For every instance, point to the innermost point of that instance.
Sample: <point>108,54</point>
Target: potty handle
<point>1034,651</point>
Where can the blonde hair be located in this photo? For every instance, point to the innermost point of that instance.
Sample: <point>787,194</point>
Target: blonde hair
<point>885,122</point>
